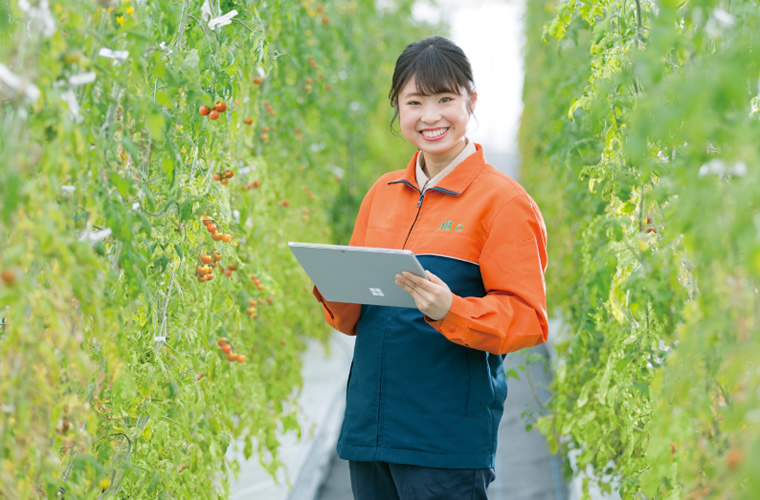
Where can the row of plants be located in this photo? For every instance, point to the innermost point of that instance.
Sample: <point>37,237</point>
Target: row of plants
<point>640,139</point>
<point>155,159</point>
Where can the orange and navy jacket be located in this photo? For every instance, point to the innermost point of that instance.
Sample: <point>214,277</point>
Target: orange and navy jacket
<point>431,393</point>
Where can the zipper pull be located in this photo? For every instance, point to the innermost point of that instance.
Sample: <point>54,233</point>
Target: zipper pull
<point>422,193</point>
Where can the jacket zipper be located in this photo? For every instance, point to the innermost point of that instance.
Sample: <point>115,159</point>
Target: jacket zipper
<point>419,202</point>
<point>419,209</point>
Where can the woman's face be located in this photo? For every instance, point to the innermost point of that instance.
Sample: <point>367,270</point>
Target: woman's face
<point>436,124</point>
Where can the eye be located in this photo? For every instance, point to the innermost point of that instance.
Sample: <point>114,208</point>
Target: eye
<point>446,99</point>
<point>413,103</point>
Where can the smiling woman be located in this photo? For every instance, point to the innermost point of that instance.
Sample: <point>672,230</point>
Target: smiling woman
<point>436,123</point>
<point>431,431</point>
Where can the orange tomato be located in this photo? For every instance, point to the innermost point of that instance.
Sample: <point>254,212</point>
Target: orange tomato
<point>9,276</point>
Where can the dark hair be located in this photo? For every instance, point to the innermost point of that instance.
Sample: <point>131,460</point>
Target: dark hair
<point>438,66</point>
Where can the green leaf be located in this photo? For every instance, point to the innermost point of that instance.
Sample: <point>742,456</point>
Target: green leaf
<point>10,190</point>
<point>163,99</point>
<point>122,185</point>
<point>192,59</point>
<point>155,123</point>
<point>131,148</point>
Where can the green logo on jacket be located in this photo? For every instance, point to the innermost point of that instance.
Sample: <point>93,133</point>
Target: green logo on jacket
<point>449,226</point>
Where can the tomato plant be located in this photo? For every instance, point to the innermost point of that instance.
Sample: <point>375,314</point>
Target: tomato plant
<point>110,380</point>
<point>639,140</point>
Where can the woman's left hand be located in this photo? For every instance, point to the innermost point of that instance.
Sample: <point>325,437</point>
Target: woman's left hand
<point>432,296</point>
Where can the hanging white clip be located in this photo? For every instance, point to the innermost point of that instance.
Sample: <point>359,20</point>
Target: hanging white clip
<point>116,55</point>
<point>40,17</point>
<point>19,85</point>
<point>71,99</point>
<point>82,79</point>
<point>95,236</point>
<point>222,20</point>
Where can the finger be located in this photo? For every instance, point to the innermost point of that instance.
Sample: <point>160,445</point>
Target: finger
<point>435,279</point>
<point>405,284</point>
<point>423,295</point>
<point>433,286</point>
<point>416,279</point>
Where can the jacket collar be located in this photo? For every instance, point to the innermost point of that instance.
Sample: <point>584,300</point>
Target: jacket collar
<point>455,182</point>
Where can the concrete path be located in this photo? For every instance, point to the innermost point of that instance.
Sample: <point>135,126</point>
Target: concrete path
<point>305,461</point>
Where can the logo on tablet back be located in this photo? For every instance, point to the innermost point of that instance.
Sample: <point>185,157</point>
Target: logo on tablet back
<point>377,292</point>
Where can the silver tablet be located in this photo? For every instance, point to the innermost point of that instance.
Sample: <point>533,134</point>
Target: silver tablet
<point>358,275</point>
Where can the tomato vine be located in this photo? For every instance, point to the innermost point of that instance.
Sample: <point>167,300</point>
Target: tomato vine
<point>639,138</point>
<point>115,290</point>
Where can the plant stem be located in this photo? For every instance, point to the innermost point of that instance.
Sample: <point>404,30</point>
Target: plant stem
<point>182,26</point>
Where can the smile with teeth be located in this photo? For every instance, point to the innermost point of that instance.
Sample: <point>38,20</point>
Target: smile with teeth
<point>432,134</point>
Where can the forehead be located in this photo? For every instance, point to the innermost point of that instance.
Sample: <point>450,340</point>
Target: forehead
<point>412,89</point>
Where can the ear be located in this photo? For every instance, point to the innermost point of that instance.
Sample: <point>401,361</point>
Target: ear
<point>473,101</point>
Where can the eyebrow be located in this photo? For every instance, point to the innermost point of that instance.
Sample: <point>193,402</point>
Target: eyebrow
<point>420,94</point>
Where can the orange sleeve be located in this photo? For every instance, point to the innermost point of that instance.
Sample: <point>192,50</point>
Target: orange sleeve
<point>512,315</point>
<point>343,316</point>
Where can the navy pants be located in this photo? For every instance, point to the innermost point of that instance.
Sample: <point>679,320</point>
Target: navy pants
<point>384,481</point>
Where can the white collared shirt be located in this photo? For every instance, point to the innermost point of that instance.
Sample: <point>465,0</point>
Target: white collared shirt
<point>426,183</point>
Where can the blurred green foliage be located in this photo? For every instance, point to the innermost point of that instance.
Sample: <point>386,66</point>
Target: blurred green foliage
<point>640,143</point>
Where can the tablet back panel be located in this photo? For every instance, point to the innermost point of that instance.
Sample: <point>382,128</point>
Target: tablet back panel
<point>358,275</point>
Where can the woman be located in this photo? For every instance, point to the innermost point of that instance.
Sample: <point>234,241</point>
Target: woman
<point>426,388</point>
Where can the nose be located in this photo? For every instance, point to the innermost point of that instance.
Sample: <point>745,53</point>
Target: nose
<point>430,114</point>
